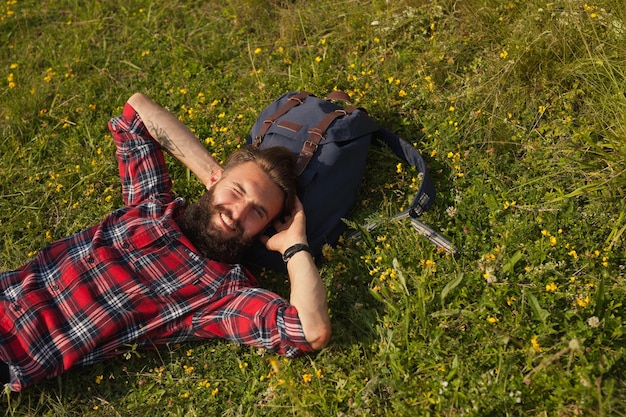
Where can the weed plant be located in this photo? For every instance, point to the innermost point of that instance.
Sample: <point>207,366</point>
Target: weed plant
<point>519,108</point>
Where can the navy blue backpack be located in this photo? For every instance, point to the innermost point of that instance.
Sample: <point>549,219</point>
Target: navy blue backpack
<point>331,143</point>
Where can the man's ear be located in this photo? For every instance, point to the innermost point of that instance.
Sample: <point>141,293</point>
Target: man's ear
<point>215,177</point>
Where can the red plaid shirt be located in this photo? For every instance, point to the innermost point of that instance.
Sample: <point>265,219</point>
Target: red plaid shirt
<point>134,278</point>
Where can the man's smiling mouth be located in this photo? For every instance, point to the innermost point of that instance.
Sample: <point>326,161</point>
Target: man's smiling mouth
<point>232,225</point>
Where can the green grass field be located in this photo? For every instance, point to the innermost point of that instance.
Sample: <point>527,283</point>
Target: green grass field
<point>519,109</point>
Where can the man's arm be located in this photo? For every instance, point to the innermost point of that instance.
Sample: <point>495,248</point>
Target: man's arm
<point>308,294</point>
<point>175,137</point>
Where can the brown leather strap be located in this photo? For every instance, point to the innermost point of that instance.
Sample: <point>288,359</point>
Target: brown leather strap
<point>292,102</point>
<point>316,134</point>
<point>339,95</point>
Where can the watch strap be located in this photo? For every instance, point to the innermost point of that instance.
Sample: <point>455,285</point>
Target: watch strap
<point>292,250</point>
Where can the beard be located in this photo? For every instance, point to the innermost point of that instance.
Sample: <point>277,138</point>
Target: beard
<point>211,242</point>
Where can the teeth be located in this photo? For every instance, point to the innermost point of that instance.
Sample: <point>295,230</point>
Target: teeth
<point>227,220</point>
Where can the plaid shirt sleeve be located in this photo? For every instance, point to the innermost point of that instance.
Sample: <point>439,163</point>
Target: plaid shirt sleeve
<point>140,160</point>
<point>256,317</point>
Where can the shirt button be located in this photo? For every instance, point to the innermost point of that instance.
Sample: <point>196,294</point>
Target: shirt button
<point>125,245</point>
<point>17,308</point>
<point>90,260</point>
<point>55,287</point>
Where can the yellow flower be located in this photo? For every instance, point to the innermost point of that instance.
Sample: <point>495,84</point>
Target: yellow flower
<point>327,252</point>
<point>535,344</point>
<point>307,378</point>
<point>582,302</point>
<point>551,287</point>
<point>402,93</point>
<point>258,50</point>
<point>509,204</point>
<point>99,379</point>
<point>492,320</point>
<point>204,384</point>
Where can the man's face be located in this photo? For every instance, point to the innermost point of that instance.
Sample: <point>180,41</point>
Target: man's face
<point>236,208</point>
<point>245,201</point>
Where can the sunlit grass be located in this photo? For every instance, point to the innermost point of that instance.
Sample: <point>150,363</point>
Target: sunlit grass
<point>519,110</point>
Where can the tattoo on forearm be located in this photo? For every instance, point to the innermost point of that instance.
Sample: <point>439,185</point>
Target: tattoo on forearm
<point>161,136</point>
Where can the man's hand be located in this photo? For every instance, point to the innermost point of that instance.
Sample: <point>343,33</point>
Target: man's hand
<point>289,231</point>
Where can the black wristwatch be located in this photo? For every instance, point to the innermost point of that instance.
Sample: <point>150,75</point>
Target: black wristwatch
<point>292,250</point>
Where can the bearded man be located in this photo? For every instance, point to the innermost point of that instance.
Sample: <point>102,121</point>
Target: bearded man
<point>159,270</point>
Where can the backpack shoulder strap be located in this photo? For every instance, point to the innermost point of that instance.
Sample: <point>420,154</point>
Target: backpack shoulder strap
<point>316,134</point>
<point>293,101</point>
<point>425,196</point>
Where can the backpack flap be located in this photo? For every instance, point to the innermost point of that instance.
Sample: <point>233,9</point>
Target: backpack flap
<point>425,196</point>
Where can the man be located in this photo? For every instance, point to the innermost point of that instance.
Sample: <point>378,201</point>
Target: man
<point>156,271</point>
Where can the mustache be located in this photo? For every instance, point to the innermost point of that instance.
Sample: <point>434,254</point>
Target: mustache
<point>234,223</point>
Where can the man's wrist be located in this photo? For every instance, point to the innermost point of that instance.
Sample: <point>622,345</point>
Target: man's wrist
<point>292,250</point>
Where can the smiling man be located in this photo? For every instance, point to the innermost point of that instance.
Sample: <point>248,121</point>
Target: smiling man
<point>159,270</point>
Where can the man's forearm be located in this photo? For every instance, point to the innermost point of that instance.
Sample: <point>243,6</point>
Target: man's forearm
<point>308,295</point>
<point>175,137</point>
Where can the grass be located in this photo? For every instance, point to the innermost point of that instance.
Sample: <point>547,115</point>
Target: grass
<point>519,109</point>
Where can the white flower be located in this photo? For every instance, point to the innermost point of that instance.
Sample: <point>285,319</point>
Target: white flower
<point>489,276</point>
<point>593,322</point>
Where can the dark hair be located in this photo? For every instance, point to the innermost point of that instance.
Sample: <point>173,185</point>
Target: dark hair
<point>277,162</point>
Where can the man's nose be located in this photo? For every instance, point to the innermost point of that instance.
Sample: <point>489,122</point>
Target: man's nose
<point>240,210</point>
